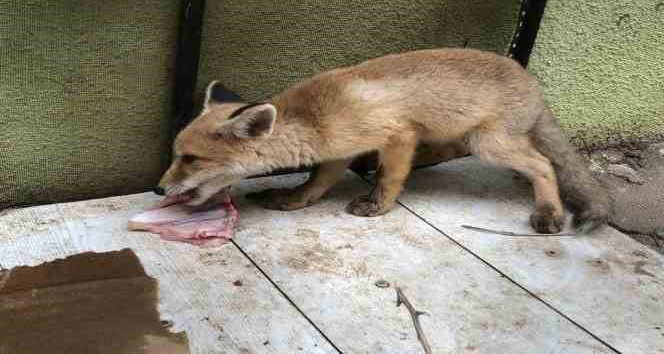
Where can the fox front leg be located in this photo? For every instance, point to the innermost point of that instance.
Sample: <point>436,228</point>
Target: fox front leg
<point>395,165</point>
<point>319,182</point>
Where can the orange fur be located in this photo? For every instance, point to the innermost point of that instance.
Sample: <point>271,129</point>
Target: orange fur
<point>456,99</point>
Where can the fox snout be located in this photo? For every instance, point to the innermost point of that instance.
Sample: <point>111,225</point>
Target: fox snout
<point>173,176</point>
<point>159,190</point>
<point>195,187</point>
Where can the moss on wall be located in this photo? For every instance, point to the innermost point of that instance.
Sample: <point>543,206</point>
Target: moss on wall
<point>602,66</point>
<point>85,97</point>
<point>260,47</point>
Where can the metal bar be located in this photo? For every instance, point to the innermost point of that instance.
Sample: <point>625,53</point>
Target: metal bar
<point>530,16</point>
<point>186,62</point>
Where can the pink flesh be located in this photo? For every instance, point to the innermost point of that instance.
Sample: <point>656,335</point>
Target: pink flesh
<point>209,225</point>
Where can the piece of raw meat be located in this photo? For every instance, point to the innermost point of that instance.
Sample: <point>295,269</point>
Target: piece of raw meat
<point>207,225</point>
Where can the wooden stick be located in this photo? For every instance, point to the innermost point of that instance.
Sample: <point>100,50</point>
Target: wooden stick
<point>415,315</point>
<point>509,233</point>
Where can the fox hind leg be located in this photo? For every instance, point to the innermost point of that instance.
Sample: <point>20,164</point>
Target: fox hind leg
<point>518,153</point>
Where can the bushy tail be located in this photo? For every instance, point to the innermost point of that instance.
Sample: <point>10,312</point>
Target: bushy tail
<point>584,194</point>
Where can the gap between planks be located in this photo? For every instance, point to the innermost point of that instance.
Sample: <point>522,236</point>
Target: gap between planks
<point>283,293</point>
<point>502,274</point>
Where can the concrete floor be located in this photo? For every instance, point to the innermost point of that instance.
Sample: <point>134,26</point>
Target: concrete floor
<point>636,180</point>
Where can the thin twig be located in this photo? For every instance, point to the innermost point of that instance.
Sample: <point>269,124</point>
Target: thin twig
<point>415,315</point>
<point>509,233</point>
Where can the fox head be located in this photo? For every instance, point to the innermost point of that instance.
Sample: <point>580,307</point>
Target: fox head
<point>219,147</point>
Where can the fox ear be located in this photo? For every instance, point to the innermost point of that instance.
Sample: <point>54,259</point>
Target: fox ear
<point>216,93</point>
<point>254,122</point>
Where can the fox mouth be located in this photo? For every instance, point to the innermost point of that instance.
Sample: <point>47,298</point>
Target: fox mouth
<point>182,193</point>
<point>191,195</point>
<point>198,190</point>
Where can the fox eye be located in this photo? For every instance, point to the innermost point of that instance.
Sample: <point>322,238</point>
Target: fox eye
<point>188,158</point>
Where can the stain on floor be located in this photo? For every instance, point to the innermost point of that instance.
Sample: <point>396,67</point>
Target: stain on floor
<point>87,303</point>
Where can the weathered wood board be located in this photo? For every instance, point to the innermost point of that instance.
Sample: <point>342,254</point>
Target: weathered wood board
<point>196,285</point>
<point>608,283</point>
<point>328,261</point>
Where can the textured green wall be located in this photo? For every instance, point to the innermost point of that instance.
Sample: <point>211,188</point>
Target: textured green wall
<point>86,86</point>
<point>602,65</point>
<point>85,97</point>
<point>259,47</point>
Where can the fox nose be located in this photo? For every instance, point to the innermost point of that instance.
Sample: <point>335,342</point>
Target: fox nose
<point>159,190</point>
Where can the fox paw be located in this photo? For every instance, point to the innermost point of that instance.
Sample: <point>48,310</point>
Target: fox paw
<point>366,205</point>
<point>546,220</point>
<point>279,199</point>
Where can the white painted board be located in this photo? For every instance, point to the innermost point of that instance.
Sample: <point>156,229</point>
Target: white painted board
<point>196,285</point>
<point>608,283</point>
<point>328,261</point>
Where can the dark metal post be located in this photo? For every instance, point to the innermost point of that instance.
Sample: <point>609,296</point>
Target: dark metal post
<point>530,16</point>
<point>186,62</point>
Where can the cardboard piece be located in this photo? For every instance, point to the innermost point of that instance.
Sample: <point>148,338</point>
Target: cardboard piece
<point>87,303</point>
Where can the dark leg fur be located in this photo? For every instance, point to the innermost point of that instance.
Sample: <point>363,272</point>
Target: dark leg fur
<point>579,188</point>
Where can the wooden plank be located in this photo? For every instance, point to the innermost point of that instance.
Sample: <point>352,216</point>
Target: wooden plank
<point>196,285</point>
<point>328,262</point>
<point>608,283</point>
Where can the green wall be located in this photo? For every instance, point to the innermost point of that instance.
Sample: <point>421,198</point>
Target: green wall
<point>260,47</point>
<point>85,97</point>
<point>86,86</point>
<point>602,65</point>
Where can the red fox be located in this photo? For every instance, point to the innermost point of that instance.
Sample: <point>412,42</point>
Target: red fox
<point>467,99</point>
